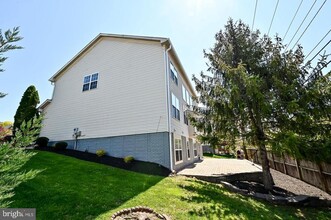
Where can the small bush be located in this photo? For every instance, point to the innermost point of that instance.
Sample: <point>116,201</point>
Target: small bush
<point>8,138</point>
<point>100,153</point>
<point>61,145</point>
<point>42,141</point>
<point>128,159</point>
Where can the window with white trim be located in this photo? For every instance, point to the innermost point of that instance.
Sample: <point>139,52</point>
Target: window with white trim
<point>183,92</point>
<point>178,150</point>
<point>195,149</point>
<point>173,73</point>
<point>175,107</point>
<point>188,151</point>
<point>185,115</point>
<point>90,82</point>
<point>186,96</point>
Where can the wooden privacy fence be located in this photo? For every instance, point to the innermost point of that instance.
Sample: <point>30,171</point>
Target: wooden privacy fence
<point>318,175</point>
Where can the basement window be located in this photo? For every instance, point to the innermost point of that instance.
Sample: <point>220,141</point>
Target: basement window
<point>188,151</point>
<point>178,150</point>
<point>195,149</point>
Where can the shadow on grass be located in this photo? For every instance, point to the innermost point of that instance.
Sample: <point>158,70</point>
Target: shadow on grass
<point>215,202</point>
<point>69,188</point>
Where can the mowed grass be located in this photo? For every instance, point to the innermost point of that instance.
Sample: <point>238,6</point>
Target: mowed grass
<point>69,188</point>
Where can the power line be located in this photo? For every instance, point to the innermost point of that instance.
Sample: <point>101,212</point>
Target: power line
<point>317,46</point>
<point>315,72</point>
<point>309,24</point>
<point>320,50</point>
<point>324,65</point>
<point>254,15</point>
<point>273,16</point>
<point>301,24</point>
<point>293,19</point>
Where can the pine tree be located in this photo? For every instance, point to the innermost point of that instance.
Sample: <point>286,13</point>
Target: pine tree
<point>6,44</point>
<point>27,108</point>
<point>256,91</point>
<point>12,154</point>
<point>13,157</point>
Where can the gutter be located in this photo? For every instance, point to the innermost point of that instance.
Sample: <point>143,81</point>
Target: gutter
<point>167,84</point>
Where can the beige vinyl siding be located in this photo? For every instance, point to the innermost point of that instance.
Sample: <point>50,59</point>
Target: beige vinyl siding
<point>130,97</point>
<point>179,127</point>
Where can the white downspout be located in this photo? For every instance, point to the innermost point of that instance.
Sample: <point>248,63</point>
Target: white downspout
<point>166,59</point>
<point>53,84</point>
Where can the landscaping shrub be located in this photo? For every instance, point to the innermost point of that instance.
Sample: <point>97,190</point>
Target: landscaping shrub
<point>128,159</point>
<point>100,153</point>
<point>8,138</point>
<point>61,145</point>
<point>42,141</point>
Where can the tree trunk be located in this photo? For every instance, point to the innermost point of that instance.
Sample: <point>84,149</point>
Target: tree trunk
<point>242,127</point>
<point>245,152</point>
<point>267,178</point>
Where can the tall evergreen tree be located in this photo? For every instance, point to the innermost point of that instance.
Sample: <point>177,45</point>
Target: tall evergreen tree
<point>27,108</point>
<point>257,92</point>
<point>6,44</point>
<point>13,157</point>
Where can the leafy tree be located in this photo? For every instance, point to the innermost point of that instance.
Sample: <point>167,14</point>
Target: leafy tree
<point>6,123</point>
<point>308,134</point>
<point>5,128</point>
<point>6,44</point>
<point>258,92</point>
<point>13,157</point>
<point>27,108</point>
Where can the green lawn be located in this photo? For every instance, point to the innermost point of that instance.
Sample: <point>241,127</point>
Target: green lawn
<point>69,188</point>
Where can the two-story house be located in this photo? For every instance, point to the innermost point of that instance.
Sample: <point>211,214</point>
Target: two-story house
<point>127,95</point>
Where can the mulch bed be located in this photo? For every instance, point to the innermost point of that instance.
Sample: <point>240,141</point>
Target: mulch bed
<point>276,196</point>
<point>259,188</point>
<point>135,166</point>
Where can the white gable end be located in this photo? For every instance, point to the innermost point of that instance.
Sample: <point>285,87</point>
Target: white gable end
<point>130,97</point>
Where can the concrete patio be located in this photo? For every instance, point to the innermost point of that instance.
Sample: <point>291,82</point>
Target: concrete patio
<point>220,167</point>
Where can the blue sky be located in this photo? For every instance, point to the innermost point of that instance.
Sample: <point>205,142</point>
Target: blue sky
<point>54,31</point>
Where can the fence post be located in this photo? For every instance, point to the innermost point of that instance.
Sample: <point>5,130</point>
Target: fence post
<point>273,160</point>
<point>284,165</point>
<point>297,164</point>
<point>323,180</point>
<point>256,157</point>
